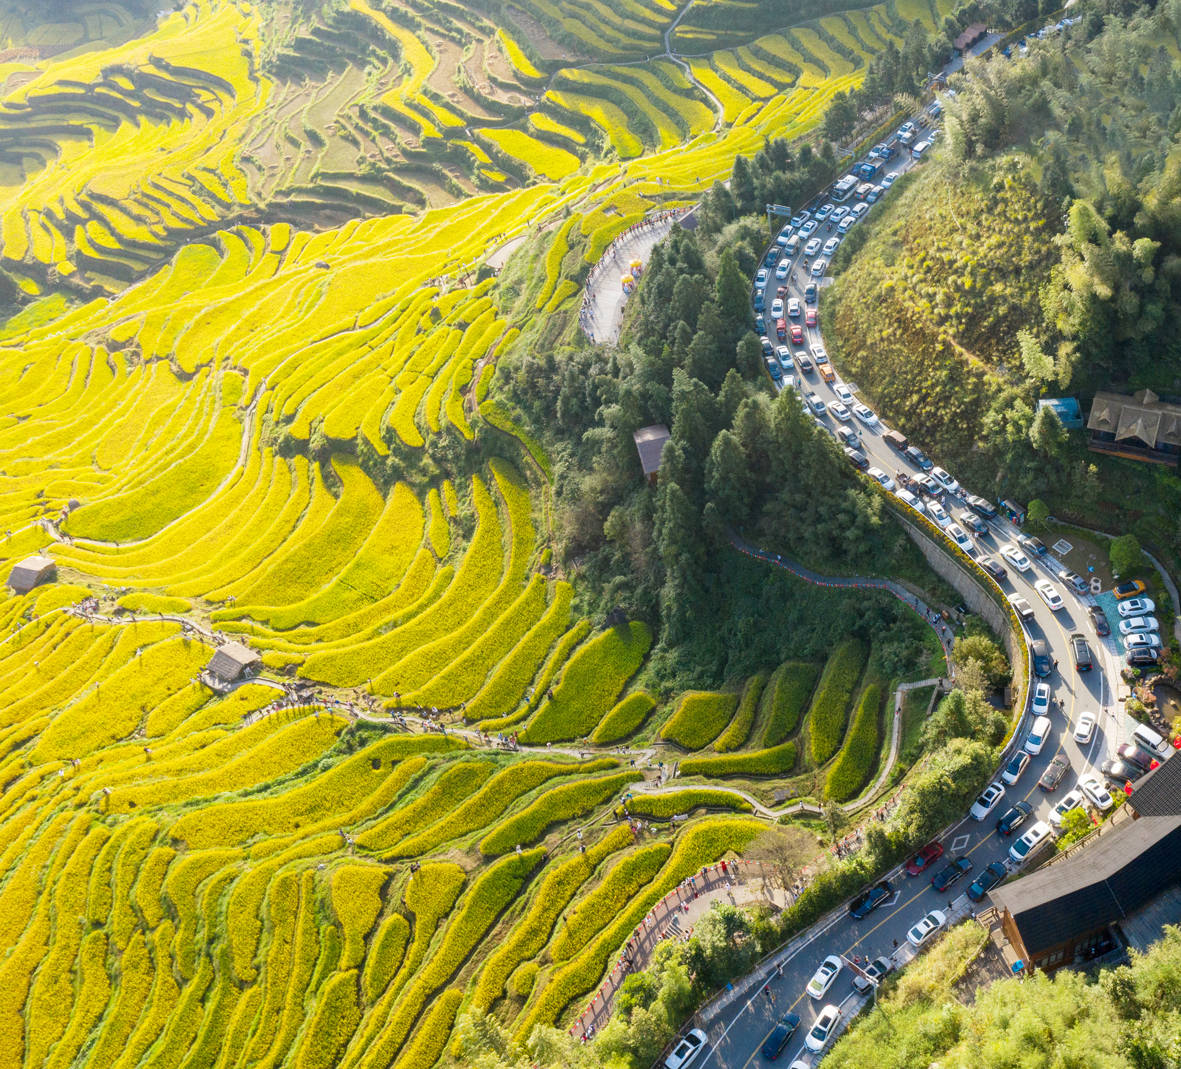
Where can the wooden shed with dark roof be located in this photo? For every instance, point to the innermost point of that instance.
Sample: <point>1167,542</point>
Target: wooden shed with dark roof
<point>30,572</point>
<point>650,445</point>
<point>1139,427</point>
<point>1056,913</point>
<point>232,662</point>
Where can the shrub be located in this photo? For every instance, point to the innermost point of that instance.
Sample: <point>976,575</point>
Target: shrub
<point>562,803</point>
<point>618,888</point>
<point>739,728</point>
<point>1126,556</point>
<point>826,718</point>
<point>699,718</point>
<point>590,684</point>
<point>522,981</point>
<point>777,759</point>
<point>787,694</point>
<point>663,806</point>
<point>625,718</point>
<point>859,756</point>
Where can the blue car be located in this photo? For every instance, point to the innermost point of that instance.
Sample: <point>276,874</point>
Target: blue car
<point>780,1036</point>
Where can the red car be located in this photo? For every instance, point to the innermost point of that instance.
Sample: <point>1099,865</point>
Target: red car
<point>797,334</point>
<point>781,329</point>
<point>810,317</point>
<point>924,858</point>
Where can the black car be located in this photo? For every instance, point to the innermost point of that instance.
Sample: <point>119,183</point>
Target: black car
<point>987,880</point>
<point>1013,818</point>
<point>768,348</point>
<point>1054,772</point>
<point>760,325</point>
<point>1120,772</point>
<point>918,457</point>
<point>943,879</point>
<point>992,566</point>
<point>980,506</point>
<point>1083,662</point>
<point>866,902</point>
<point>1141,657</point>
<point>780,1036</point>
<point>1043,664</point>
<point>772,256</point>
<point>1099,621</point>
<point>1133,754</point>
<point>857,458</point>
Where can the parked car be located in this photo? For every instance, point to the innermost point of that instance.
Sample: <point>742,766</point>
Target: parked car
<point>945,480</point>
<point>1085,728</point>
<point>960,537</point>
<point>876,971</point>
<point>1083,661</point>
<point>1147,640</point>
<point>1040,703</point>
<point>1032,545</point>
<point>1028,842</point>
<point>1075,581</point>
<point>1136,607</point>
<point>1054,772</point>
<point>685,1052</point>
<point>1015,557</point>
<point>991,565</point>
<point>1043,663</point>
<point>780,1036</point>
<point>839,411</point>
<point>924,858</point>
<point>881,477</point>
<point>937,513</point>
<point>1013,818</point>
<point>1134,755</point>
<point>1017,764</point>
<point>1120,772</point>
<point>918,458</point>
<point>971,521</point>
<point>1020,606</point>
<point>844,394</point>
<point>1073,799</point>
<point>869,900</point>
<point>857,458</point>
<point>1129,589</point>
<point>945,877</point>
<point>821,1032</point>
<point>1138,623</point>
<point>1096,792</point>
<point>988,800</point>
<point>987,880</point>
<point>865,414</point>
<point>849,437</point>
<point>980,505</point>
<point>1038,733</point>
<point>1049,594</point>
<point>1099,621</point>
<point>823,977</point>
<point>1143,657</point>
<point>926,928</point>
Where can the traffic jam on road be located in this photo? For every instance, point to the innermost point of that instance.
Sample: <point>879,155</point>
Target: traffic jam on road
<point>1076,747</point>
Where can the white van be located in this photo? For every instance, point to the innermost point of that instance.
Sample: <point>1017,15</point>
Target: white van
<point>1037,735</point>
<point>792,245</point>
<point>1152,742</point>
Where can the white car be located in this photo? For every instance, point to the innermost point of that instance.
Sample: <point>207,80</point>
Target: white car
<point>844,394</point>
<point>882,477</point>
<point>1040,705</point>
<point>823,977</point>
<point>938,515</point>
<point>819,355</point>
<point>793,307</point>
<point>784,354</point>
<point>1139,623</point>
<point>1015,557</point>
<point>1071,800</point>
<point>830,246</point>
<point>685,1052</point>
<point>777,308</point>
<point>859,209</point>
<point>945,480</point>
<point>1015,767</point>
<point>821,1032</point>
<point>1049,594</point>
<point>926,928</point>
<point>1096,791</point>
<point>761,278</point>
<point>988,801</point>
<point>1085,727</point>
<point>1020,606</point>
<point>865,414</point>
<point>839,410</point>
<point>890,179</point>
<point>1036,835</point>
<point>812,248</point>
<point>1148,640</point>
<point>1137,607</point>
<point>906,497</point>
<point>783,268</point>
<point>819,267</point>
<point>1037,736</point>
<point>960,537</point>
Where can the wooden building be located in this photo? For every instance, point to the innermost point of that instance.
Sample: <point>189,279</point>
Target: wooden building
<point>650,444</point>
<point>30,572</point>
<point>1140,427</point>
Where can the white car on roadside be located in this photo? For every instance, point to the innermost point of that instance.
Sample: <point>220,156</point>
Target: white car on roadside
<point>989,799</point>
<point>926,928</point>
<point>945,480</point>
<point>821,1032</point>
<point>960,537</point>
<point>1073,799</point>
<point>1096,791</point>
<point>1015,557</point>
<point>1040,705</point>
<point>823,977</point>
<point>1136,607</point>
<point>1085,728</point>
<point>1138,623</point>
<point>691,1044</point>
<point>938,514</point>
<point>844,394</point>
<point>865,414</point>
<point>1049,594</point>
<point>881,477</point>
<point>1020,606</point>
<point>1028,842</point>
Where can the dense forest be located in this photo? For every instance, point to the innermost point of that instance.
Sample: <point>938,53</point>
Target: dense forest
<point>1039,254</point>
<point>741,460</point>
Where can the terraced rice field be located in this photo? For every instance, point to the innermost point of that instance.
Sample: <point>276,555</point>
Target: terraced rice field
<point>252,390</point>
